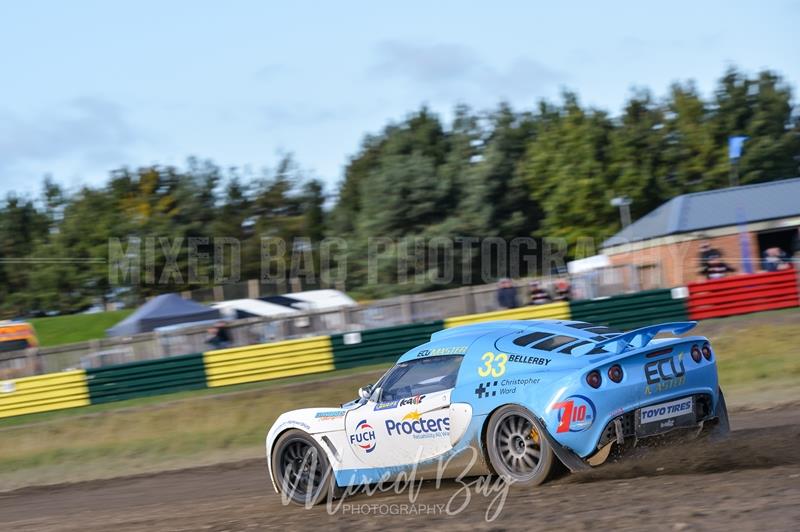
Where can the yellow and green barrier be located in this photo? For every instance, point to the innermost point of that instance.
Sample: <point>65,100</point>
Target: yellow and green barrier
<point>629,311</point>
<point>263,362</point>
<point>375,346</point>
<point>146,378</point>
<point>43,393</point>
<point>550,311</point>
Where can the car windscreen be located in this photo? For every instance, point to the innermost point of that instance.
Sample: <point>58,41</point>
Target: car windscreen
<point>420,376</point>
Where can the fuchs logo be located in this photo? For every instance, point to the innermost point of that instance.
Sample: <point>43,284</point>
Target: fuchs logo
<point>412,400</point>
<point>415,425</point>
<point>364,436</point>
<point>575,414</point>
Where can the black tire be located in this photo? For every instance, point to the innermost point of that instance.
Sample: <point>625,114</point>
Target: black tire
<point>516,447</point>
<point>301,469</point>
<point>723,426</point>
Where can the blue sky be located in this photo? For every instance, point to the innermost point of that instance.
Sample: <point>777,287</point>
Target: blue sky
<point>86,87</point>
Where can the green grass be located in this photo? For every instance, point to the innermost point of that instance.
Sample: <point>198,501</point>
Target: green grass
<point>757,357</point>
<point>72,328</point>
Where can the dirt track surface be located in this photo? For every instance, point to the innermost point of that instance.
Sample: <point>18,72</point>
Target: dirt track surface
<point>749,482</point>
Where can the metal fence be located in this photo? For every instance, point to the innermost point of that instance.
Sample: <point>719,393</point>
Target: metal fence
<point>395,311</point>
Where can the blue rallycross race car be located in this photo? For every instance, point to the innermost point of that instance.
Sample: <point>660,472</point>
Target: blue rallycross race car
<point>509,398</point>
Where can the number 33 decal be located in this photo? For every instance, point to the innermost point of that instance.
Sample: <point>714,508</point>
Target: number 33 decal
<point>494,365</point>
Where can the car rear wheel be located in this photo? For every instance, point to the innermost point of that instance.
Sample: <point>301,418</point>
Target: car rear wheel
<point>516,446</point>
<point>300,469</point>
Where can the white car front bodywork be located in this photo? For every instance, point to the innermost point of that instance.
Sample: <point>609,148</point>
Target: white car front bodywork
<point>366,441</point>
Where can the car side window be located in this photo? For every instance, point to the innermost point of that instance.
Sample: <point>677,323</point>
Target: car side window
<point>420,376</point>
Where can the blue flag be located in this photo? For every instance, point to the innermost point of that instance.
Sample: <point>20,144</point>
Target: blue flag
<point>744,239</point>
<point>735,146</point>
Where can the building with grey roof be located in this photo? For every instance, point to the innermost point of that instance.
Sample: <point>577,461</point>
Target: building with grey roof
<point>740,222</point>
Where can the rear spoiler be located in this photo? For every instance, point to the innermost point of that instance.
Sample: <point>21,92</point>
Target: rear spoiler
<point>636,338</point>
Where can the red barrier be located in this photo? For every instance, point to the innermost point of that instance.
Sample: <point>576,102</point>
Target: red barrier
<point>740,294</point>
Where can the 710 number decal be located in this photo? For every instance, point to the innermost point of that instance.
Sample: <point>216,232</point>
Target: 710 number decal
<point>494,365</point>
<point>575,414</point>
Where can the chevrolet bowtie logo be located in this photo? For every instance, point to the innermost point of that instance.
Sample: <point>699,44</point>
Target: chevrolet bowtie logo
<point>412,416</point>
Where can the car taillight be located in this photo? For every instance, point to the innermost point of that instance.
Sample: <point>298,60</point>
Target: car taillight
<point>615,373</point>
<point>707,352</point>
<point>696,353</point>
<point>594,379</point>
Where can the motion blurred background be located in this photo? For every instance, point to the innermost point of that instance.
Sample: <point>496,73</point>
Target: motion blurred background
<point>146,126</point>
<point>193,195</point>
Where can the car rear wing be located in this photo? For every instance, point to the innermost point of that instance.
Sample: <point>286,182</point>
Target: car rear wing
<point>634,339</point>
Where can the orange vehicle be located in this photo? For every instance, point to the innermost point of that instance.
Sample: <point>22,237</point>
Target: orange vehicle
<point>16,336</point>
<point>16,356</point>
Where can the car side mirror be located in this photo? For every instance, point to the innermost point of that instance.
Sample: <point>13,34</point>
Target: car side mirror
<point>365,392</point>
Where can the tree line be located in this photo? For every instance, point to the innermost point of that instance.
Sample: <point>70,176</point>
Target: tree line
<point>549,171</point>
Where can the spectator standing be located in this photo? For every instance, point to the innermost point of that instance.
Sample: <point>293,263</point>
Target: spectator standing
<point>507,294</point>
<point>537,295</point>
<point>775,259</point>
<point>715,268</point>
<point>218,336</point>
<point>706,253</point>
<point>563,289</point>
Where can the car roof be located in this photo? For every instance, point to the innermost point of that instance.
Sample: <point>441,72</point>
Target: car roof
<point>514,336</point>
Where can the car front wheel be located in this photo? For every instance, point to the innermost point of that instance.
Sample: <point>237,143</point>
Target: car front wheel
<point>301,470</point>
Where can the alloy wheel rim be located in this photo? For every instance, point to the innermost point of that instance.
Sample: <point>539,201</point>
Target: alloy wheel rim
<point>519,445</point>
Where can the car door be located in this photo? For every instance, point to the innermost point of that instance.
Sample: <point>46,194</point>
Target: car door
<point>408,419</point>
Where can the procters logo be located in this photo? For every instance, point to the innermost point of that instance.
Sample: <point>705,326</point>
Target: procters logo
<point>415,425</point>
<point>364,436</point>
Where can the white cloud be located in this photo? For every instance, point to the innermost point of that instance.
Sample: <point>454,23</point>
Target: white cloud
<point>78,140</point>
<point>91,129</point>
<point>425,64</point>
<point>453,70</point>
<point>288,115</point>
